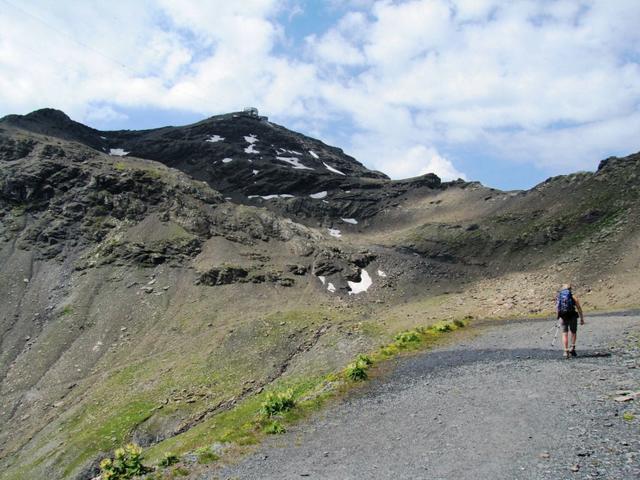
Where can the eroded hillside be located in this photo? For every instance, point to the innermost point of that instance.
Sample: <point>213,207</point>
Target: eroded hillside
<point>155,286</point>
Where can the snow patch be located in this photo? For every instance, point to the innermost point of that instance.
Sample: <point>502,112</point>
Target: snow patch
<point>251,138</point>
<point>331,287</point>
<point>318,195</point>
<point>314,154</point>
<point>322,278</point>
<point>352,221</point>
<point>361,286</point>
<point>334,232</point>
<point>214,139</point>
<point>275,195</point>
<point>255,172</point>
<point>227,160</point>
<point>295,162</point>
<point>251,149</point>
<point>118,152</point>
<point>381,273</point>
<point>104,138</point>
<point>331,169</point>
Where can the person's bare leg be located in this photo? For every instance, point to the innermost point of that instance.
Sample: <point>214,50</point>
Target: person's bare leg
<point>565,341</point>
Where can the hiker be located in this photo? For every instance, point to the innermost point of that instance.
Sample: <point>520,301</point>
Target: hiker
<point>566,307</point>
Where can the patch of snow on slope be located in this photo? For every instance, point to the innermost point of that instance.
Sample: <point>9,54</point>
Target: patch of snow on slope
<point>275,195</point>
<point>381,273</point>
<point>295,162</point>
<point>214,139</point>
<point>334,232</point>
<point>251,149</point>
<point>322,278</point>
<point>118,152</point>
<point>361,286</point>
<point>227,160</point>
<point>331,287</point>
<point>255,172</point>
<point>318,195</point>
<point>352,221</point>
<point>314,154</point>
<point>251,138</point>
<point>331,169</point>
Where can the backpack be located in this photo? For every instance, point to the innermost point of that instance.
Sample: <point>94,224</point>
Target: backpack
<point>566,303</point>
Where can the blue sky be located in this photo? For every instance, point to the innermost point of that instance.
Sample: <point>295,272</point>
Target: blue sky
<point>504,92</point>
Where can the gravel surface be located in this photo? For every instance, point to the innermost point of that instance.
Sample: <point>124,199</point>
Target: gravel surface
<point>503,405</point>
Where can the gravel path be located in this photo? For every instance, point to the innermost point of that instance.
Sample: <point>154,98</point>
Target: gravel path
<point>502,406</point>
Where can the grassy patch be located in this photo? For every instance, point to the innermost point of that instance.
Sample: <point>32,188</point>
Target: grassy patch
<point>357,371</point>
<point>417,338</point>
<point>270,412</point>
<point>274,427</point>
<point>628,416</point>
<point>206,456</point>
<point>277,402</point>
<point>168,460</point>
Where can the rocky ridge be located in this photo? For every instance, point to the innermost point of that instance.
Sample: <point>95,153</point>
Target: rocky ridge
<point>141,270</point>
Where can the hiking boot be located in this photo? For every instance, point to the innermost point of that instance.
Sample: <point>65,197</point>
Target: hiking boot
<point>573,352</point>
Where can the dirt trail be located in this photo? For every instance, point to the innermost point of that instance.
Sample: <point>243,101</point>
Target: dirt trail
<point>503,405</point>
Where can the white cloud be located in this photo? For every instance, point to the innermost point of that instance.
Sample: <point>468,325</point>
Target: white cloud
<point>104,114</point>
<point>555,84</point>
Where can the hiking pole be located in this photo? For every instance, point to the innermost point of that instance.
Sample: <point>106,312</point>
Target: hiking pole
<point>547,332</point>
<point>555,334</point>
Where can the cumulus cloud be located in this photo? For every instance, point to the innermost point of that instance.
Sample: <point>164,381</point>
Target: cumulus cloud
<point>555,84</point>
<point>420,160</point>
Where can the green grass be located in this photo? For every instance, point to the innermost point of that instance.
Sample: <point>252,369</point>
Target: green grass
<point>277,402</point>
<point>357,371</point>
<point>628,416</point>
<point>131,394</point>
<point>274,427</point>
<point>206,456</point>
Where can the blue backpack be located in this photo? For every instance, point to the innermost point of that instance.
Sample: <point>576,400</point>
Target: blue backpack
<point>566,303</point>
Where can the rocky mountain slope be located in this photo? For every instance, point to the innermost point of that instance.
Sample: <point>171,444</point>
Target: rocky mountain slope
<point>156,283</point>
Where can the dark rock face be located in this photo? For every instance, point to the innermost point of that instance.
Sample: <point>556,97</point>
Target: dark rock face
<point>246,158</point>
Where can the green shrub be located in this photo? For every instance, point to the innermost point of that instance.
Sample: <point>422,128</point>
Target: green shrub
<point>127,463</point>
<point>168,460</point>
<point>365,359</point>
<point>441,327</point>
<point>205,455</point>
<point>357,371</point>
<point>278,402</point>
<point>628,416</point>
<point>405,338</point>
<point>389,350</point>
<point>274,428</point>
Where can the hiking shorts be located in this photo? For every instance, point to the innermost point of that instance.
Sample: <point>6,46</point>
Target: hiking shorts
<point>569,321</point>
